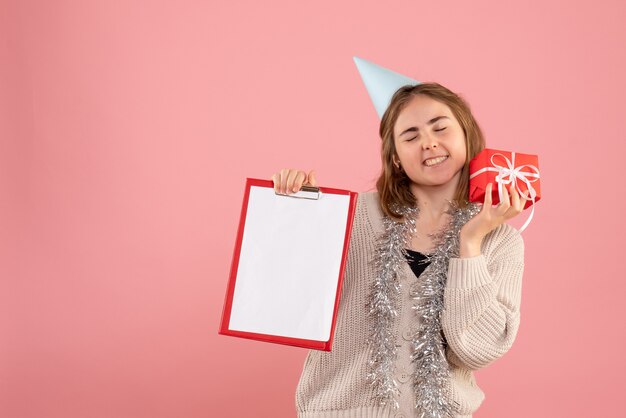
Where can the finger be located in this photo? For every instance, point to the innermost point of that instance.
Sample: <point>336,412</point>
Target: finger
<point>284,173</point>
<point>505,203</point>
<point>515,200</point>
<point>290,180</point>
<point>275,179</point>
<point>297,183</point>
<point>513,209</point>
<point>311,178</point>
<point>488,199</point>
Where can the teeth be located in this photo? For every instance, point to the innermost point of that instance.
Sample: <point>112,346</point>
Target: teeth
<point>434,161</point>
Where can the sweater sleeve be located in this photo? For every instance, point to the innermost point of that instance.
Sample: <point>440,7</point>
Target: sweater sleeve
<point>482,301</point>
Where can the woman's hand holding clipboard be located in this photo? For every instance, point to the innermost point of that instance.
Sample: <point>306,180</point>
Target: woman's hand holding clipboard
<point>290,181</point>
<point>292,298</point>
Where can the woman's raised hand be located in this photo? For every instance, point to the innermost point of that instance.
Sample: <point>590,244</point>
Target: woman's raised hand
<point>290,180</point>
<point>489,218</point>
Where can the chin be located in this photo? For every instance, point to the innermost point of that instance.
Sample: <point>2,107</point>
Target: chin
<point>439,180</point>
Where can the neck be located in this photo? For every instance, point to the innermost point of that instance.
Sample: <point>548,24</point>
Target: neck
<point>432,201</point>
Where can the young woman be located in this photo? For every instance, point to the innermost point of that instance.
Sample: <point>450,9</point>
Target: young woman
<point>432,287</point>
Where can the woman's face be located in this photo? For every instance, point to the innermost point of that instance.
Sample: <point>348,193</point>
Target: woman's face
<point>426,128</point>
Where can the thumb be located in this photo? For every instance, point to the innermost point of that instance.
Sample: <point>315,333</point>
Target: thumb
<point>311,179</point>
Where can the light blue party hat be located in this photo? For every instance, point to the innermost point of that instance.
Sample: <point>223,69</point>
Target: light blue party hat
<point>381,83</point>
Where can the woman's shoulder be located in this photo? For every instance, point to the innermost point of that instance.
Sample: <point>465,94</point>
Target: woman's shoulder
<point>368,205</point>
<point>369,199</point>
<point>503,241</point>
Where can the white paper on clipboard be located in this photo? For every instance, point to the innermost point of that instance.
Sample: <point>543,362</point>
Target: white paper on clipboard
<point>289,264</point>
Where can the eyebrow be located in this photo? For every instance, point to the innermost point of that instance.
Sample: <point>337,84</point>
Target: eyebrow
<point>416,129</point>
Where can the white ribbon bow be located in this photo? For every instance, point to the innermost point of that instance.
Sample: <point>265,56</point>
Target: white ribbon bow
<point>510,174</point>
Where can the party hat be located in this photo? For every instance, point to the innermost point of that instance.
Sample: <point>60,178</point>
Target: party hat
<point>381,83</point>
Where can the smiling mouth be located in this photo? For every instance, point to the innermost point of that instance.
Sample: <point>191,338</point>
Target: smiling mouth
<point>435,161</point>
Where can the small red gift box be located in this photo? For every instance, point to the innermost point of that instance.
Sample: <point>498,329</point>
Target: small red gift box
<point>501,168</point>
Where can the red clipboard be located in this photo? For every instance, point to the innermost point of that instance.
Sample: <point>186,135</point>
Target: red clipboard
<point>255,306</point>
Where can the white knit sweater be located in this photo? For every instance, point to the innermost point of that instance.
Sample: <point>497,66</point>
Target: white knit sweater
<point>480,322</point>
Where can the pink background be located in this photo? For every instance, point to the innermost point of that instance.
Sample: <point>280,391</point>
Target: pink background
<point>127,130</point>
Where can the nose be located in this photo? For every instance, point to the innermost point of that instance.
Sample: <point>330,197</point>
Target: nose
<point>430,142</point>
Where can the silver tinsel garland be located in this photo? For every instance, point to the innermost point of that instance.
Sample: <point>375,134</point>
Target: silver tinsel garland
<point>431,369</point>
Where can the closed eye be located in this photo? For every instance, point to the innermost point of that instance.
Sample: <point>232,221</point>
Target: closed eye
<point>437,130</point>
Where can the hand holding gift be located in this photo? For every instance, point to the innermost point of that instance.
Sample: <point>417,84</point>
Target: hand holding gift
<point>505,169</point>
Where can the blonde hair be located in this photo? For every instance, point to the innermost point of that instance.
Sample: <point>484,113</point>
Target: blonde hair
<point>393,183</point>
